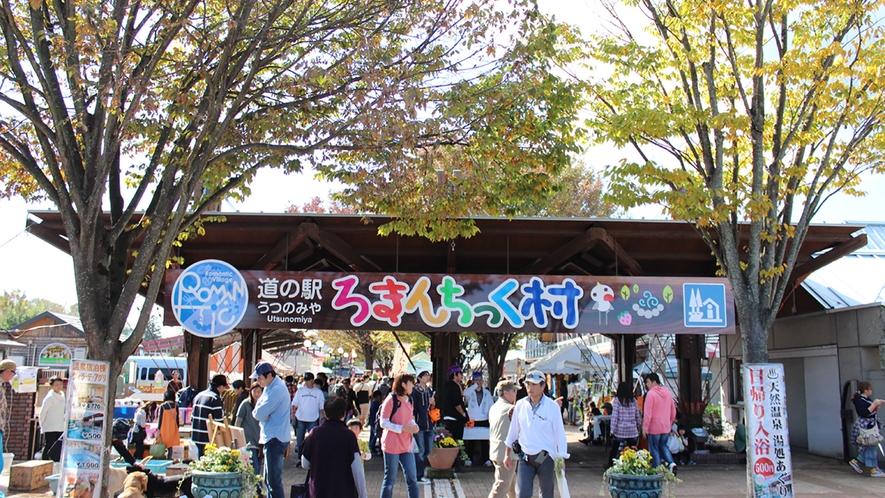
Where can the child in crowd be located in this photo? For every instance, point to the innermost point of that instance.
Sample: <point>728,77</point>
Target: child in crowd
<point>356,426</point>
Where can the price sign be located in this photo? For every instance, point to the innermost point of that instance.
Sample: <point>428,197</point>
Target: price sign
<point>87,402</point>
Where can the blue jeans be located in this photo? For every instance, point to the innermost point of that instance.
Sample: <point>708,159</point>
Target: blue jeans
<point>407,462</point>
<point>257,461</point>
<point>525,477</point>
<point>372,438</point>
<point>660,452</point>
<point>301,429</point>
<point>867,455</point>
<point>425,444</point>
<point>274,452</point>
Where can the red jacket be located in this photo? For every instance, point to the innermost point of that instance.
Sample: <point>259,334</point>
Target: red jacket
<point>659,411</point>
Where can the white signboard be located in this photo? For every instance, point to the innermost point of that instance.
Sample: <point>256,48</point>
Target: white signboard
<point>27,380</point>
<point>87,400</point>
<point>769,469</point>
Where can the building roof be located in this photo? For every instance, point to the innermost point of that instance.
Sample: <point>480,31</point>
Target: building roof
<point>556,246</point>
<point>70,322</point>
<point>855,279</point>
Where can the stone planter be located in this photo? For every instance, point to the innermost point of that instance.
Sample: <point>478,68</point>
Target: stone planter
<point>443,458</point>
<point>628,486</point>
<point>216,484</point>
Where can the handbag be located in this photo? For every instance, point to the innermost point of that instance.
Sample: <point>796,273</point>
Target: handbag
<point>301,490</point>
<point>158,450</point>
<point>675,444</point>
<point>869,437</point>
<point>434,415</point>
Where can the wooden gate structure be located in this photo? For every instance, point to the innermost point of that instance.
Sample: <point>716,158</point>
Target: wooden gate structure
<point>548,247</point>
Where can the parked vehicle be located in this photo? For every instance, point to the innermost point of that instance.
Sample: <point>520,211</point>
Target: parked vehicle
<point>140,373</point>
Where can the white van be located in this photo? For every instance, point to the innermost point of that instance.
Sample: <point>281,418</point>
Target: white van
<point>140,373</point>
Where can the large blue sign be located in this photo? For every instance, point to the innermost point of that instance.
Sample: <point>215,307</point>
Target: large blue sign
<point>704,305</point>
<point>210,298</point>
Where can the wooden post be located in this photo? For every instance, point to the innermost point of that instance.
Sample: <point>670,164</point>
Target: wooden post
<point>689,352</point>
<point>198,352</point>
<point>444,350</point>
<point>625,355</point>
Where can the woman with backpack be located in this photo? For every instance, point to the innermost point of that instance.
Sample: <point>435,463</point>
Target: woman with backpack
<point>397,442</point>
<point>867,419</point>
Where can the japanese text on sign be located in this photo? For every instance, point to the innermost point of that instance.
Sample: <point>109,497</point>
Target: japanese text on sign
<point>770,469</point>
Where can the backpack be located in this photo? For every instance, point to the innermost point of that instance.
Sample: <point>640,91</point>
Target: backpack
<point>121,428</point>
<point>185,397</point>
<point>396,405</point>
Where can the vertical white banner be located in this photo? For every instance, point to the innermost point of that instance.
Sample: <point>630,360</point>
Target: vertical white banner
<point>769,469</point>
<point>82,465</point>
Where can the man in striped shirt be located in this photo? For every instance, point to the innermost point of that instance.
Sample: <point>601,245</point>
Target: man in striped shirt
<point>207,403</point>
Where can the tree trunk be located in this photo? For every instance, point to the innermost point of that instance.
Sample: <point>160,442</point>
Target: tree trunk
<point>369,355</point>
<point>754,334</point>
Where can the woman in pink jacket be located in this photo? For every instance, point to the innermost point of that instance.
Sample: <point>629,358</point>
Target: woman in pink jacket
<point>659,414</point>
<point>396,442</point>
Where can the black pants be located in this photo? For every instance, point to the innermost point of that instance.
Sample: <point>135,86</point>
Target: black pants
<point>478,449</point>
<point>50,439</point>
<point>138,438</point>
<point>457,429</point>
<point>616,443</point>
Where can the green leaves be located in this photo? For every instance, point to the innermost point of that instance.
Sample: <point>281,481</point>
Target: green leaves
<point>625,293</point>
<point>667,294</point>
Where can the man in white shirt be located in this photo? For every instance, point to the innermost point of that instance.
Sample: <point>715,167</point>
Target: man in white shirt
<point>537,431</point>
<point>499,419</point>
<point>479,402</point>
<point>307,407</point>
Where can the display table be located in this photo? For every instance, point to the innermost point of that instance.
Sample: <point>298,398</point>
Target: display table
<point>476,433</point>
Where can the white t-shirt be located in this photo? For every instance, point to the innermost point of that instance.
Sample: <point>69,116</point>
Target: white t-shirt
<point>309,402</point>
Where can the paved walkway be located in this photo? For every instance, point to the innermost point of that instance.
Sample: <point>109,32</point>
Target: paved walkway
<point>814,476</point>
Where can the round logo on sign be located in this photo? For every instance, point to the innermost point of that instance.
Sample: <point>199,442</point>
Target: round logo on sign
<point>210,298</point>
<point>764,467</point>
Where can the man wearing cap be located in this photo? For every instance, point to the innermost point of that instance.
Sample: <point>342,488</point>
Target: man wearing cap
<point>307,407</point>
<point>479,402</point>
<point>537,431</point>
<point>272,413</point>
<point>451,403</point>
<point>207,403</point>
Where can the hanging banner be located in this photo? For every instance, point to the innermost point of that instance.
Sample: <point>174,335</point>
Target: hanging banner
<point>211,299</point>
<point>770,470</point>
<point>55,355</point>
<point>87,399</point>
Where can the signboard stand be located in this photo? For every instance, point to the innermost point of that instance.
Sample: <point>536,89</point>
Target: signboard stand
<point>769,469</point>
<point>83,461</point>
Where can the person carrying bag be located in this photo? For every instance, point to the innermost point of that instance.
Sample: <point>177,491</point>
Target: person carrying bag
<point>865,433</point>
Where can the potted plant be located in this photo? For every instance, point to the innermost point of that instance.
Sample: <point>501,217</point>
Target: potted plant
<point>445,451</point>
<point>632,475</point>
<point>223,473</point>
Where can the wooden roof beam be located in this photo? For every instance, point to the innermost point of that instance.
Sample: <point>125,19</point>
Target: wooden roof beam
<point>342,250</point>
<point>581,243</point>
<point>618,252</point>
<point>800,272</point>
<point>285,246</point>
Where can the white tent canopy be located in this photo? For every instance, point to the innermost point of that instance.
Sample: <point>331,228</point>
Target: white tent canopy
<point>571,359</point>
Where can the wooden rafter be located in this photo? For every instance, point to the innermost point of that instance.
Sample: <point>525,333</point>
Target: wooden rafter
<point>284,247</point>
<point>581,243</point>
<point>618,252</point>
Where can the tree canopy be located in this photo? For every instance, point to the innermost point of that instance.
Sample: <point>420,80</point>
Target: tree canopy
<point>743,118</point>
<point>16,307</point>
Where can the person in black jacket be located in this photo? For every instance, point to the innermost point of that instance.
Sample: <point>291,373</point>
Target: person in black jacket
<point>867,418</point>
<point>422,400</point>
<point>207,403</point>
<point>451,404</point>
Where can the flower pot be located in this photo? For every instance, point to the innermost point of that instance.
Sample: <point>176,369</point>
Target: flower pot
<point>216,484</point>
<point>630,486</point>
<point>443,458</point>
